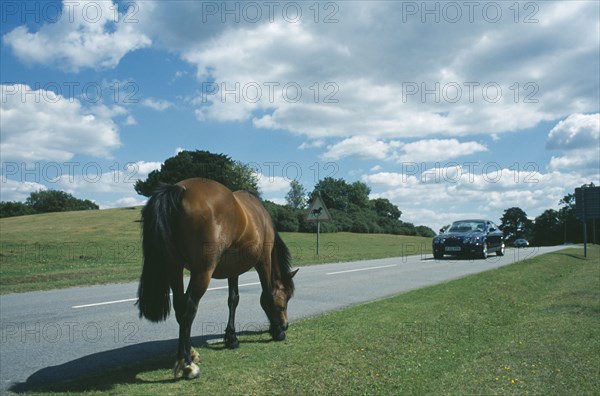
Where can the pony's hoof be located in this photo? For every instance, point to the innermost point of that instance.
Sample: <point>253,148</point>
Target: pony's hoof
<point>231,341</point>
<point>188,371</point>
<point>232,344</point>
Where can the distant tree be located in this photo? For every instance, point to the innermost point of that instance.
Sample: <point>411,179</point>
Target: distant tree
<point>45,201</point>
<point>285,218</point>
<point>296,197</point>
<point>425,231</point>
<point>385,208</point>
<point>334,193</point>
<point>243,177</point>
<point>515,224</point>
<point>570,225</point>
<point>352,210</point>
<point>339,194</point>
<point>407,229</point>
<point>546,229</point>
<point>358,194</point>
<point>10,209</point>
<point>188,164</point>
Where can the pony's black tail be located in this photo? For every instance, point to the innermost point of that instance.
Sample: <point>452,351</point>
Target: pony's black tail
<point>283,261</point>
<point>160,221</point>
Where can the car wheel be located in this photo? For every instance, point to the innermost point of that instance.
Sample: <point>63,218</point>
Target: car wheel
<point>484,251</point>
<point>501,251</point>
<point>438,255</point>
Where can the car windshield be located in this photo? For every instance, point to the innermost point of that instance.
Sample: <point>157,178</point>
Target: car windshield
<point>467,226</point>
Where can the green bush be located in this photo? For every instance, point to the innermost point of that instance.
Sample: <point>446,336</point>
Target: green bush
<point>46,201</point>
<point>10,209</point>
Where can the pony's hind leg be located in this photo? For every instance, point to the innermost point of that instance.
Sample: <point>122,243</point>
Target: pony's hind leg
<point>231,340</point>
<point>187,357</point>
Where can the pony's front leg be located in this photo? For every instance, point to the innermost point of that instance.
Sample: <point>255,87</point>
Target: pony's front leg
<point>231,340</point>
<point>187,357</point>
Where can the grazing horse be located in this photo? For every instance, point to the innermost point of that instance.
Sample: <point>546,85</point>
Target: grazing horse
<point>201,225</point>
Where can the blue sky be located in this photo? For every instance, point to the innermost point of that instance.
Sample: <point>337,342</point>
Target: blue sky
<point>448,109</point>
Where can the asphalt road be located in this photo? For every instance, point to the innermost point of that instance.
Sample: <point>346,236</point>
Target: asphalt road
<point>63,334</point>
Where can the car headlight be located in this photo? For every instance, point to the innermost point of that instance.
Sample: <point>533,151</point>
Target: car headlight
<point>471,239</point>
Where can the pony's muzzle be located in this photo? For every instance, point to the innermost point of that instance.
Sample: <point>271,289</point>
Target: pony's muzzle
<point>278,332</point>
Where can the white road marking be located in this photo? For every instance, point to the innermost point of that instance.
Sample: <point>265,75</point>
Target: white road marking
<point>103,303</point>
<point>361,269</point>
<point>135,299</point>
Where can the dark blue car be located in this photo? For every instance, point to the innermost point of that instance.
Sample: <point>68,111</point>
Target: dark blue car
<point>469,238</point>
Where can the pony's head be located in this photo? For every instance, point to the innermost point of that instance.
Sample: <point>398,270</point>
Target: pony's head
<point>283,290</point>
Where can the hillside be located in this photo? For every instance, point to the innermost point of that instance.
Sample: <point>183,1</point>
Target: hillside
<point>55,250</point>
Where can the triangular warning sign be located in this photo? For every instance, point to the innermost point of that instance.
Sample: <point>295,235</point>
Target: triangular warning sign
<point>317,211</point>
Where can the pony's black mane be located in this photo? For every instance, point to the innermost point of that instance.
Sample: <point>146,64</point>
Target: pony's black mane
<point>284,262</point>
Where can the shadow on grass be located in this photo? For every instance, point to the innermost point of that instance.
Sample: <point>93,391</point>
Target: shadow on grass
<point>102,371</point>
<point>579,256</point>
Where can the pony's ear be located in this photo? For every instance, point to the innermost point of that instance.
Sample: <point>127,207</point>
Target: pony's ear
<point>293,273</point>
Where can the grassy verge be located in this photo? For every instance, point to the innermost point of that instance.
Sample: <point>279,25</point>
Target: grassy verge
<point>529,328</point>
<point>57,250</point>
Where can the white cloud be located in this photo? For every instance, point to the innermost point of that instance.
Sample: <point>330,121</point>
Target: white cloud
<point>157,104</point>
<point>105,184</point>
<point>578,137</point>
<point>575,132</point>
<point>141,169</point>
<point>273,184</point>
<point>577,159</point>
<point>364,74</point>
<point>126,202</point>
<point>317,143</point>
<point>88,34</point>
<point>438,150</point>
<point>273,188</point>
<point>46,126</point>
<point>367,147</point>
<point>362,147</point>
<point>130,120</point>
<point>12,190</point>
<point>356,82</point>
<point>82,180</point>
<point>470,191</point>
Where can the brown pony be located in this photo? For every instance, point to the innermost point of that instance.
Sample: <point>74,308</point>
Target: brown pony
<point>201,225</point>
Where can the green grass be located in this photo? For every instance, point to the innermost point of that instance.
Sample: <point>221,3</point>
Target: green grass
<point>58,250</point>
<point>532,328</point>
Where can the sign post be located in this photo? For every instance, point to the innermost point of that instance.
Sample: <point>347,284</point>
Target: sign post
<point>587,207</point>
<point>317,211</point>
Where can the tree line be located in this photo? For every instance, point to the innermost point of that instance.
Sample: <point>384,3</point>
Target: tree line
<point>349,204</point>
<point>45,201</point>
<point>350,208</point>
<point>552,227</point>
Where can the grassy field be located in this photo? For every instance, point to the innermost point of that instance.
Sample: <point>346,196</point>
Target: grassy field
<point>532,328</point>
<point>57,250</point>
